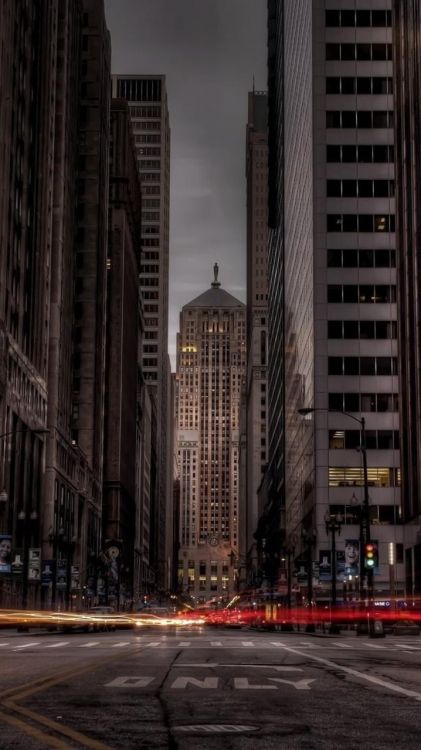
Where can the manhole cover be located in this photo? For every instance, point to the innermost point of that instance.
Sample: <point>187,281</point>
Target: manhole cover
<point>216,728</point>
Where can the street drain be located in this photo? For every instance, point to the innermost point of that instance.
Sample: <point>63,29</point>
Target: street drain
<point>215,728</point>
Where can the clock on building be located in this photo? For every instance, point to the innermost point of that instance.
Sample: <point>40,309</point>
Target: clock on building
<point>213,540</point>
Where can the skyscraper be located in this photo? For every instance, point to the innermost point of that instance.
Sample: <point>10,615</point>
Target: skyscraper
<point>339,282</point>
<point>406,22</point>
<point>124,327</point>
<point>147,98</point>
<point>211,360</point>
<point>27,118</point>
<point>257,311</point>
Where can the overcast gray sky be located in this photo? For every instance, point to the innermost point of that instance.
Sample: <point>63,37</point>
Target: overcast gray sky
<point>209,50</point>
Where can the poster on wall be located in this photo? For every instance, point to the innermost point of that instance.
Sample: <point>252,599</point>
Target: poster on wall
<point>5,553</point>
<point>352,557</point>
<point>34,564</point>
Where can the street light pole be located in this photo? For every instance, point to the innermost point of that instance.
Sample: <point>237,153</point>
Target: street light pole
<point>333,526</point>
<point>365,511</point>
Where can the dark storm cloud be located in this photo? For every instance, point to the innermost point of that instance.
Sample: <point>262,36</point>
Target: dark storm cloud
<point>209,50</point>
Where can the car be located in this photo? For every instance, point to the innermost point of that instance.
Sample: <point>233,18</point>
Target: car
<point>405,627</point>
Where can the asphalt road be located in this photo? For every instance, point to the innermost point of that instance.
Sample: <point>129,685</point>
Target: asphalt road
<point>209,689</point>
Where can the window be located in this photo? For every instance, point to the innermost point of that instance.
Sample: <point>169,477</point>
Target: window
<point>334,329</point>
<point>360,223</point>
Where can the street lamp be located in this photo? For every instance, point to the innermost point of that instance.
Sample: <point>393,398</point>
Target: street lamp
<point>309,538</point>
<point>365,511</point>
<point>333,525</point>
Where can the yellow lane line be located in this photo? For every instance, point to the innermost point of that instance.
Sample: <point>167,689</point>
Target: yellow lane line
<point>45,739</point>
<point>8,698</point>
<point>72,734</point>
<point>42,683</point>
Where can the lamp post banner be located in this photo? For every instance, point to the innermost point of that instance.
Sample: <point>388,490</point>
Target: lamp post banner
<point>34,564</point>
<point>325,565</point>
<point>47,572</point>
<point>352,557</point>
<point>5,553</point>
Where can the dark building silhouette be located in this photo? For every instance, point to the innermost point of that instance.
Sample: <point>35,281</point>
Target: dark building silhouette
<point>124,325</point>
<point>27,118</point>
<point>407,93</point>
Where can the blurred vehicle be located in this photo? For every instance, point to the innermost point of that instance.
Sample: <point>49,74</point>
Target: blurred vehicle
<point>405,627</point>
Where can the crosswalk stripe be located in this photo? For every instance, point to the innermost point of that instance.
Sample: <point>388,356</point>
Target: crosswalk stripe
<point>247,644</point>
<point>26,645</point>
<point>89,644</point>
<point>216,643</point>
<point>342,645</point>
<point>4,644</point>
<point>408,646</point>
<point>58,644</point>
<point>153,644</point>
<point>374,645</point>
<point>121,644</point>
<point>184,644</point>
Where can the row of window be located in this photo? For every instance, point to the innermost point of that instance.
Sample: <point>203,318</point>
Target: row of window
<point>359,85</point>
<point>351,118</point>
<point>363,18</point>
<point>361,293</point>
<point>374,439</point>
<point>362,366</point>
<point>349,258</point>
<point>364,402</point>
<point>360,222</point>
<point>362,329</point>
<point>349,476</point>
<point>360,188</point>
<point>379,515</point>
<point>349,154</point>
<point>359,51</point>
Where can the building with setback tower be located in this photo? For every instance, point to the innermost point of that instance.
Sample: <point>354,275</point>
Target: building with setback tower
<point>147,99</point>
<point>211,362</point>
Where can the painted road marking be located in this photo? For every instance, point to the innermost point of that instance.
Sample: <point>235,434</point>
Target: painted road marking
<point>128,682</point>
<point>409,646</point>
<point>183,644</point>
<point>242,683</point>
<point>90,644</point>
<point>308,644</point>
<point>154,644</point>
<point>26,645</point>
<point>342,645</point>
<point>216,643</point>
<point>355,673</point>
<point>215,728</point>
<point>59,644</point>
<point>209,683</point>
<point>4,644</point>
<point>248,644</point>
<point>121,644</point>
<point>374,645</point>
<point>299,685</point>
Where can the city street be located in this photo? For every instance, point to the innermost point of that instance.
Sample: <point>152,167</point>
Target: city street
<point>209,688</point>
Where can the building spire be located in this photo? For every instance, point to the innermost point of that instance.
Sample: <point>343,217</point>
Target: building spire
<point>215,282</point>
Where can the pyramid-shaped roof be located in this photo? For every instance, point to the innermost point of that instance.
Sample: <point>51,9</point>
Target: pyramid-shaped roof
<point>215,297</point>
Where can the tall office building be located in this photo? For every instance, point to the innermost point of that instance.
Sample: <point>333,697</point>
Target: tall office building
<point>211,361</point>
<point>147,98</point>
<point>27,110</point>
<point>121,498</point>
<point>257,312</point>
<point>406,22</point>
<point>339,285</point>
<point>75,450</point>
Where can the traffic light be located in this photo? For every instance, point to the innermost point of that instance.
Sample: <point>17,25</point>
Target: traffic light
<point>371,555</point>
